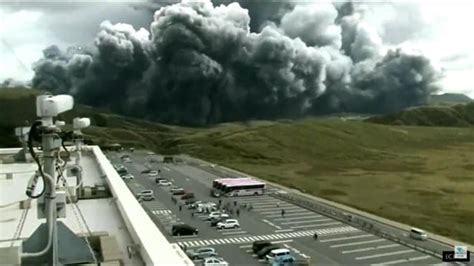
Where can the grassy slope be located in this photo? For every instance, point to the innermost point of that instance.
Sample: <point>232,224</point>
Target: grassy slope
<point>416,175</point>
<point>459,115</point>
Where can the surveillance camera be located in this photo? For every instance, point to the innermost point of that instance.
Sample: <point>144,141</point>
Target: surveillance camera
<point>59,123</point>
<point>79,123</point>
<point>51,106</point>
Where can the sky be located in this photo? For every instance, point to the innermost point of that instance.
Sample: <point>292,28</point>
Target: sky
<point>441,30</point>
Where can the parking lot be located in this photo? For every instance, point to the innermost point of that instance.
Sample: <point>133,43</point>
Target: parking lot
<point>338,243</point>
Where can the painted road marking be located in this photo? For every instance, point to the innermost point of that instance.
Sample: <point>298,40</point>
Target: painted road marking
<point>371,248</point>
<point>314,225</point>
<point>357,243</point>
<point>290,214</point>
<point>283,230</point>
<point>270,223</point>
<point>309,221</point>
<point>403,260</point>
<point>344,238</point>
<point>385,254</point>
<point>312,216</point>
<point>279,237</point>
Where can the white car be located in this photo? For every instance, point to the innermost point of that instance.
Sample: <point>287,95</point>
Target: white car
<point>164,182</point>
<point>150,153</point>
<point>153,173</point>
<point>128,176</point>
<point>229,223</point>
<point>218,215</point>
<point>211,261</point>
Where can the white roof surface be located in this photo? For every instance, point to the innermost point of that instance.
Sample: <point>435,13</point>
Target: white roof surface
<point>119,215</point>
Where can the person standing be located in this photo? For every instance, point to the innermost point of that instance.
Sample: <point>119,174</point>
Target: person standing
<point>237,212</point>
<point>180,207</point>
<point>282,213</point>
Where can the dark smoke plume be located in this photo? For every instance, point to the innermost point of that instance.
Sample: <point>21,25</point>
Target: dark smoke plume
<point>207,63</point>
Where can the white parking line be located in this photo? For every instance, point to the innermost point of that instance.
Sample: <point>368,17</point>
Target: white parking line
<point>282,241</point>
<point>312,216</point>
<point>385,254</point>
<point>403,260</point>
<point>343,238</point>
<point>357,243</point>
<point>166,168</point>
<point>270,223</point>
<point>290,214</point>
<point>309,221</point>
<point>234,233</point>
<point>371,248</point>
<point>314,225</point>
<point>283,230</point>
<point>245,246</point>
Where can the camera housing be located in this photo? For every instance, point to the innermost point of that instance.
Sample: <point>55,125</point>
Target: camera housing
<point>51,106</point>
<point>81,122</point>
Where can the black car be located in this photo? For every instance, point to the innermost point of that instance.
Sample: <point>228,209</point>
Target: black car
<point>146,171</point>
<point>179,192</point>
<point>183,229</point>
<point>190,201</point>
<point>259,244</point>
<point>187,196</point>
<point>264,251</point>
<point>215,221</point>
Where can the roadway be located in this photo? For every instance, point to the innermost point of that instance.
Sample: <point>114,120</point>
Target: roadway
<point>338,244</point>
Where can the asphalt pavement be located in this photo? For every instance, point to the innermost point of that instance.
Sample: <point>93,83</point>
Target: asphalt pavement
<point>338,242</point>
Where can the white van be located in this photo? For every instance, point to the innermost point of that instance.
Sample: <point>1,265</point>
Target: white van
<point>418,234</point>
<point>276,253</point>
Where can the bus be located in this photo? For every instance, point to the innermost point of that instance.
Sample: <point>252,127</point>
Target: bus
<point>234,187</point>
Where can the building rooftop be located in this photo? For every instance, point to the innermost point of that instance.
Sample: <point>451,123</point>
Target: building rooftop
<point>108,214</point>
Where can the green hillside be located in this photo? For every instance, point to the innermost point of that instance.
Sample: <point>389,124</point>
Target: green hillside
<point>449,99</point>
<point>422,176</point>
<point>460,115</point>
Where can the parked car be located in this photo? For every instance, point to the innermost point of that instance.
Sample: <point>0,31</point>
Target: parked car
<point>218,214</point>
<point>189,202</point>
<point>228,223</point>
<point>264,251</point>
<point>127,160</point>
<point>215,221</point>
<point>145,195</point>
<point>146,171</point>
<point>153,173</point>
<point>202,253</point>
<point>285,260</point>
<point>128,176</point>
<point>208,206</point>
<point>277,253</point>
<point>211,261</point>
<point>194,204</point>
<point>157,179</point>
<point>150,153</point>
<point>179,191</point>
<point>187,196</point>
<point>259,244</point>
<point>164,182</point>
<point>183,229</point>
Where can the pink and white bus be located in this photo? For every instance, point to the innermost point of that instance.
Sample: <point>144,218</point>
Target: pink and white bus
<point>232,187</point>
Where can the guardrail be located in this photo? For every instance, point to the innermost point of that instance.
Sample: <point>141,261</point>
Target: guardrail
<point>362,223</point>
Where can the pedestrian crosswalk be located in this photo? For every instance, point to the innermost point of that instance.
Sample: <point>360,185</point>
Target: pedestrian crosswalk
<point>249,239</point>
<point>161,211</point>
